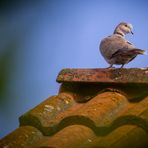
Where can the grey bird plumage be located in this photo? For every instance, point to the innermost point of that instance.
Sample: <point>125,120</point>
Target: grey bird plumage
<point>116,49</point>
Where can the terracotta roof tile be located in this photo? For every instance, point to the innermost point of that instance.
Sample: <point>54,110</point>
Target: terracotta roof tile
<point>41,115</point>
<point>84,137</point>
<point>123,137</point>
<point>104,75</point>
<point>72,136</point>
<point>25,136</point>
<point>105,113</point>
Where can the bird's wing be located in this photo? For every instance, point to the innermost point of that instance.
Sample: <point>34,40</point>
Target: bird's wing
<point>112,44</point>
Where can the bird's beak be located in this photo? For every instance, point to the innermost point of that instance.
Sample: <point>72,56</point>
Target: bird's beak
<point>132,32</point>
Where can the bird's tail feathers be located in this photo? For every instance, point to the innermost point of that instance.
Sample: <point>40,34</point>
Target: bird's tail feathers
<point>139,51</point>
<point>145,53</point>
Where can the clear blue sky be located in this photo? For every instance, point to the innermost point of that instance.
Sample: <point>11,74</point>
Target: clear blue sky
<point>40,38</point>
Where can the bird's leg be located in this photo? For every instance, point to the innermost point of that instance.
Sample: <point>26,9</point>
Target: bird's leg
<point>111,65</point>
<point>122,66</point>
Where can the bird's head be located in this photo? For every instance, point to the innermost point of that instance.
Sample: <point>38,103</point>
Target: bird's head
<point>123,28</point>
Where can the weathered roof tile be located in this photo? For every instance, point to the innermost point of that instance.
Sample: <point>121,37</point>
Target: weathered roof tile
<point>73,136</point>
<point>126,136</point>
<point>103,113</point>
<point>41,115</point>
<point>25,137</point>
<point>76,136</point>
<point>132,75</point>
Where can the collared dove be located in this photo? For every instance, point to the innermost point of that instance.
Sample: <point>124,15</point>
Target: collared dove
<point>116,49</point>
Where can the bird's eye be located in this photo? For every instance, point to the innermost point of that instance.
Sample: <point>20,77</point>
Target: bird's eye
<point>125,25</point>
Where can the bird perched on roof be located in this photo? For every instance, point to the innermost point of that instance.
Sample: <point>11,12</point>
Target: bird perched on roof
<point>116,49</point>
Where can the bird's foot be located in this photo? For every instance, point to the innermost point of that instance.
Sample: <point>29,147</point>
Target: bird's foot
<point>111,66</point>
<point>122,66</point>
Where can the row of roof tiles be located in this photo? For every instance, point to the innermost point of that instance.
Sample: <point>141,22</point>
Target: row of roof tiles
<point>90,115</point>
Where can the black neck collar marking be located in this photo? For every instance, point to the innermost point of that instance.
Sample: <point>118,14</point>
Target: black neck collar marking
<point>119,34</point>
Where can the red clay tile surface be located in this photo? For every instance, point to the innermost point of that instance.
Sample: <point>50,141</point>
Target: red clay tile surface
<point>102,114</point>
<point>132,75</point>
<point>25,136</point>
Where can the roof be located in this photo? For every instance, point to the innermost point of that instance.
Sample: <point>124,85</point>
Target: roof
<point>95,108</point>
